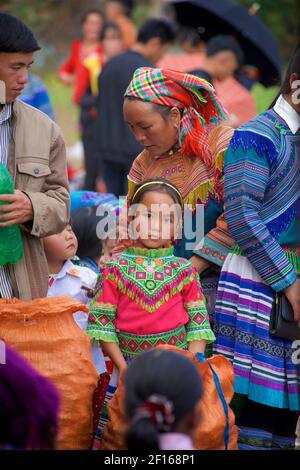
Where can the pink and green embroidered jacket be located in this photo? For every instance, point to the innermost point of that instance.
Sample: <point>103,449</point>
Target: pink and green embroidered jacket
<point>151,295</point>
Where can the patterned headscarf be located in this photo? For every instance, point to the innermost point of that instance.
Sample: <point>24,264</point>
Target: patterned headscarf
<point>195,96</point>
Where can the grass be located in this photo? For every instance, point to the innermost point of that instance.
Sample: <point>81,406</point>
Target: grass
<point>67,114</point>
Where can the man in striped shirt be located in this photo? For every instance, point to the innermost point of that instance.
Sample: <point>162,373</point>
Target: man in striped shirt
<point>32,149</point>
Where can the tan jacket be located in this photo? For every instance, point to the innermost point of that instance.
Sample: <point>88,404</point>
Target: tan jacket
<point>37,163</point>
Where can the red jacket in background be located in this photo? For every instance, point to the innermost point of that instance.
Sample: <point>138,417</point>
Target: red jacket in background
<point>74,65</point>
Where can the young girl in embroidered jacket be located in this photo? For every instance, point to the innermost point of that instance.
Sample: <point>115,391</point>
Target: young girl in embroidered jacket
<point>147,296</point>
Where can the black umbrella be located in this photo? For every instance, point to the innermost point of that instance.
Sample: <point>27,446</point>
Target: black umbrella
<point>214,17</point>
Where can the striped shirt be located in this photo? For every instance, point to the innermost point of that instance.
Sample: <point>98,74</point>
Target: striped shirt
<point>5,133</point>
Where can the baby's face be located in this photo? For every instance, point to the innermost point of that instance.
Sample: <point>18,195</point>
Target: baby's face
<point>62,246</point>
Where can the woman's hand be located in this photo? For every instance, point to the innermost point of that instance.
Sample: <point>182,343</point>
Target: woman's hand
<point>66,78</point>
<point>200,264</point>
<point>293,295</point>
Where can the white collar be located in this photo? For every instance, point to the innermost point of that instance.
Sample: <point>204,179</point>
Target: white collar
<point>286,112</point>
<point>67,268</point>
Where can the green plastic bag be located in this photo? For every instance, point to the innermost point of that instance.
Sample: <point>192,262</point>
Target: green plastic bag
<point>11,246</point>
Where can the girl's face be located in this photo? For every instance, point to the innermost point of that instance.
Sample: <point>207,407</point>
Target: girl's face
<point>156,133</point>
<point>91,27</point>
<point>61,246</point>
<point>112,43</point>
<point>155,220</point>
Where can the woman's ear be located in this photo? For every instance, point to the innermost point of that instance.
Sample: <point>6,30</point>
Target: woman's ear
<point>175,116</point>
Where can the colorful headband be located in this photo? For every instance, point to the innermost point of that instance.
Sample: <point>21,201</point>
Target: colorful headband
<point>149,183</point>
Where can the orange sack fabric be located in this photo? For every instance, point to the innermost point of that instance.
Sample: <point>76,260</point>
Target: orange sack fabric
<point>210,435</point>
<point>44,332</point>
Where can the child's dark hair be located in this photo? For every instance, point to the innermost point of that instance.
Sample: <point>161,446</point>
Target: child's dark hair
<point>158,184</point>
<point>107,26</point>
<point>84,224</point>
<point>158,384</point>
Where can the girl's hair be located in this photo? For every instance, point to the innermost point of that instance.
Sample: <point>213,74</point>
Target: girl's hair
<point>92,11</point>
<point>84,224</point>
<point>158,384</point>
<point>107,26</point>
<point>293,67</point>
<point>158,184</point>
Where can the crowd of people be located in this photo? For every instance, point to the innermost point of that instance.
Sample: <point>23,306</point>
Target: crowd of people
<point>149,286</point>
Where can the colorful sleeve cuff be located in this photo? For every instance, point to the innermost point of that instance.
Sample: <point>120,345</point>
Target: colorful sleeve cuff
<point>285,282</point>
<point>198,327</point>
<point>94,333</point>
<point>205,334</point>
<point>212,251</point>
<point>101,322</point>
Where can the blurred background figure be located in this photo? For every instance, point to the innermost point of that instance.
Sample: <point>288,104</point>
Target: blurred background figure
<point>116,145</point>
<point>224,57</point>
<point>29,406</point>
<point>111,39</point>
<point>190,41</point>
<point>72,72</point>
<point>81,71</point>
<point>119,12</point>
<point>36,94</point>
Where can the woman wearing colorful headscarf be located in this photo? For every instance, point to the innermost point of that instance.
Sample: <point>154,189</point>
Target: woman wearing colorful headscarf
<point>177,118</point>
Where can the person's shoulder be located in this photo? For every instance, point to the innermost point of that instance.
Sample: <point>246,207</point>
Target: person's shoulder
<point>143,156</point>
<point>263,126</point>
<point>219,137</point>
<point>34,117</point>
<point>76,44</point>
<point>140,165</point>
<point>87,275</point>
<point>29,112</point>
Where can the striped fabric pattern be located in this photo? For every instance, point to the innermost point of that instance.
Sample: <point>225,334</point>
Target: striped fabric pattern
<point>5,132</point>
<point>263,365</point>
<point>195,96</point>
<point>260,439</point>
<point>262,181</point>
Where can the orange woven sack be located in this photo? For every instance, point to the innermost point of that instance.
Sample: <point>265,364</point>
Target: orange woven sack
<point>44,332</point>
<point>217,429</point>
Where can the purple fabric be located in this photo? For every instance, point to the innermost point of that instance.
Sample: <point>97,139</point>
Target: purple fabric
<point>175,441</point>
<point>29,405</point>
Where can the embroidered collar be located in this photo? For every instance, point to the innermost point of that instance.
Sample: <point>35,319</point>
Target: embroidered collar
<point>288,114</point>
<point>149,253</point>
